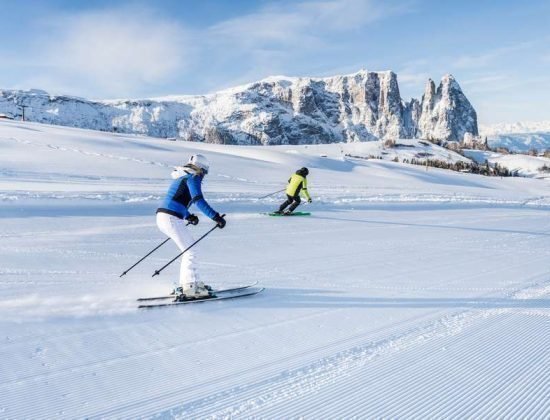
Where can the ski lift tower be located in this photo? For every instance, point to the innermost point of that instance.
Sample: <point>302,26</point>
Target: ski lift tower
<point>23,107</point>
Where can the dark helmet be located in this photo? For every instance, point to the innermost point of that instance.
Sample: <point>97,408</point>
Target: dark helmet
<point>303,171</point>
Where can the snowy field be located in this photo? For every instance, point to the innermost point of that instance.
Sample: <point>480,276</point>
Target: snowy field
<point>520,164</point>
<point>409,293</point>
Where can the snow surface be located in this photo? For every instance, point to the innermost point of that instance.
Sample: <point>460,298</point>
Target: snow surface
<point>522,165</point>
<point>407,294</point>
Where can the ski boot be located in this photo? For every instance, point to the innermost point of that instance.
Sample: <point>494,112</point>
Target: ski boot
<point>194,290</point>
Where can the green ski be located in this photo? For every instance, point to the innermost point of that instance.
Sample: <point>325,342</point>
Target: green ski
<point>296,213</point>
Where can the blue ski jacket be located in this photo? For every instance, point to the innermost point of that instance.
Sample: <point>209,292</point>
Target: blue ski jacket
<point>184,192</point>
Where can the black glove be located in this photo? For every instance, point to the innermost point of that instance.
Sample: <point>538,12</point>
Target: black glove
<point>219,220</point>
<point>309,200</point>
<point>192,219</point>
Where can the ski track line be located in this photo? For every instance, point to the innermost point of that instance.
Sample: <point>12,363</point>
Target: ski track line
<point>254,374</point>
<point>101,196</point>
<point>472,395</point>
<point>46,236</point>
<point>382,395</point>
<point>304,380</point>
<point>65,253</point>
<point>337,402</point>
<point>448,397</point>
<point>156,352</point>
<point>317,385</point>
<point>79,332</point>
<point>517,405</point>
<point>387,395</point>
<point>468,397</point>
<point>487,313</point>
<point>68,178</point>
<point>86,153</point>
<point>355,381</point>
<point>498,386</point>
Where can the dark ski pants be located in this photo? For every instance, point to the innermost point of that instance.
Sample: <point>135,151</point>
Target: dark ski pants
<point>294,202</point>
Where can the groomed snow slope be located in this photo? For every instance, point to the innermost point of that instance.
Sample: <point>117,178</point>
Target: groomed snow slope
<point>407,294</point>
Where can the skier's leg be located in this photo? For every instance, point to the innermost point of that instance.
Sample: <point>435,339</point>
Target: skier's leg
<point>295,204</point>
<point>188,268</point>
<point>176,230</point>
<point>283,206</point>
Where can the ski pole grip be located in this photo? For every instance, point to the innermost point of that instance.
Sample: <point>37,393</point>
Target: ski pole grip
<point>222,216</point>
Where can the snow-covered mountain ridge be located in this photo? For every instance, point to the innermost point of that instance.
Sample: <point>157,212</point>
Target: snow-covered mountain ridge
<point>278,110</point>
<point>518,137</point>
<point>514,128</point>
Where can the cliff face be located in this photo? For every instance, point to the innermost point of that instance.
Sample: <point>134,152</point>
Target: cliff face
<point>359,107</point>
<point>446,112</point>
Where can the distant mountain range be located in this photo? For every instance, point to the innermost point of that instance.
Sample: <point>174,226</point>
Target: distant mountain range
<point>522,127</point>
<point>278,110</point>
<point>518,137</point>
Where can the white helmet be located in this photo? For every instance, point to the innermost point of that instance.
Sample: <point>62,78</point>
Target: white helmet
<point>200,161</point>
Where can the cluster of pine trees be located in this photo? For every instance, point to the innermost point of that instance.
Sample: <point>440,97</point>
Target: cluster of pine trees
<point>473,167</point>
<point>423,158</point>
<point>459,166</point>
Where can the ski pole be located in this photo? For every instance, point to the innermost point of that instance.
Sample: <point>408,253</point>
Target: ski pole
<point>273,193</point>
<point>158,246</point>
<point>153,250</point>
<point>157,272</point>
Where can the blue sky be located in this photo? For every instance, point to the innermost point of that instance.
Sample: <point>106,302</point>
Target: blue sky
<point>499,51</point>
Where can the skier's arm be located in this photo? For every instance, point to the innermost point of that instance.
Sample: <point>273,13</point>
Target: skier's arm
<point>194,184</point>
<point>305,191</point>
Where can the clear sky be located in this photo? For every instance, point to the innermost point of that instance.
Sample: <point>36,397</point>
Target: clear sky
<point>499,51</point>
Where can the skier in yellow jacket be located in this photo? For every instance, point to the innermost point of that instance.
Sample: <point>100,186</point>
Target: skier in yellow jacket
<point>296,183</point>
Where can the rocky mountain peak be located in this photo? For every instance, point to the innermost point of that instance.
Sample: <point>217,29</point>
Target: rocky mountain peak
<point>446,112</point>
<point>361,106</point>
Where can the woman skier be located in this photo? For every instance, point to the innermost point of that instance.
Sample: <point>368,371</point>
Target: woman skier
<point>184,191</point>
<point>296,183</point>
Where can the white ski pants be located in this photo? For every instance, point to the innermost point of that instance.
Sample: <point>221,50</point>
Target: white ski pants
<point>176,230</point>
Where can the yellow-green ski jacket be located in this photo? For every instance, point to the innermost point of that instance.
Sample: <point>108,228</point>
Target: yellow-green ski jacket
<point>297,183</point>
